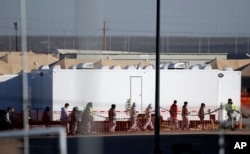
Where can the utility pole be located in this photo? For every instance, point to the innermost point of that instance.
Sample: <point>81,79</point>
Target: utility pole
<point>236,44</point>
<point>64,39</point>
<point>104,35</point>
<point>16,28</point>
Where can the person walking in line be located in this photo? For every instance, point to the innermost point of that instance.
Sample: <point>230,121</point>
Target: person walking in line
<point>112,118</point>
<point>231,110</point>
<point>65,117</point>
<point>7,119</point>
<point>201,115</point>
<point>46,119</point>
<point>73,121</point>
<point>133,118</point>
<point>173,115</point>
<point>148,117</point>
<point>87,118</point>
<point>185,120</point>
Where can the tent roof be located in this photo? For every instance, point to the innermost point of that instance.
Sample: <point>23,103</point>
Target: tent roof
<point>234,64</point>
<point>123,63</point>
<point>16,58</point>
<point>33,61</point>
<point>9,68</point>
<point>242,65</point>
<point>245,70</point>
<point>67,63</point>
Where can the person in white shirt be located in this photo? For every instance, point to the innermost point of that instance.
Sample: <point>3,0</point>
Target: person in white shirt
<point>8,119</point>
<point>148,118</point>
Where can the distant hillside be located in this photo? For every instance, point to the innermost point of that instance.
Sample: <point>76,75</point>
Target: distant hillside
<point>49,44</point>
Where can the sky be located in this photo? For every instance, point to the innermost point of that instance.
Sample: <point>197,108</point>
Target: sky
<point>128,17</point>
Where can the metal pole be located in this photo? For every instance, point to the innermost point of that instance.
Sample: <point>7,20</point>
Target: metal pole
<point>248,44</point>
<point>24,73</point>
<point>104,36</point>
<point>110,41</point>
<point>128,42</point>
<point>199,43</point>
<point>64,39</point>
<point>48,45</point>
<point>10,43</point>
<point>16,28</point>
<point>16,41</point>
<point>208,44</point>
<point>157,149</point>
<point>236,44</point>
<point>162,46</point>
<point>168,42</point>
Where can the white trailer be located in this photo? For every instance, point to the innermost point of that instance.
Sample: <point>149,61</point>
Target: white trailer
<point>104,87</point>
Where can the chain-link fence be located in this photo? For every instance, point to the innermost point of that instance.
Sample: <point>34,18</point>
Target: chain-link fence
<point>169,43</point>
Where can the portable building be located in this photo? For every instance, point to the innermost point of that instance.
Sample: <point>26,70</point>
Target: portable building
<point>104,87</point>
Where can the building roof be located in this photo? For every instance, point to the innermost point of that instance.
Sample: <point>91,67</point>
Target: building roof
<point>242,65</point>
<point>233,63</point>
<point>32,61</point>
<point>9,68</point>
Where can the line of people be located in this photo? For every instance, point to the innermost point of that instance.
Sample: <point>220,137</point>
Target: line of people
<point>71,121</point>
<point>184,114</point>
<point>112,116</point>
<point>133,118</point>
<point>230,108</point>
<point>87,118</point>
<point>173,116</point>
<point>10,120</point>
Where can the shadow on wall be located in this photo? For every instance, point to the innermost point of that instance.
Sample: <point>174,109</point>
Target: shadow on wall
<point>11,92</point>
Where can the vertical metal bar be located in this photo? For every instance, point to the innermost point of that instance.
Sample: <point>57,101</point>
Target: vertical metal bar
<point>208,44</point>
<point>16,41</point>
<point>110,41</point>
<point>16,28</point>
<point>64,38</point>
<point>62,148</point>
<point>48,45</point>
<point>221,141</point>
<point>10,43</point>
<point>104,35</point>
<point>128,42</point>
<point>199,43</point>
<point>168,42</point>
<point>236,44</point>
<point>24,72</point>
<point>157,149</point>
<point>248,44</point>
<point>162,44</point>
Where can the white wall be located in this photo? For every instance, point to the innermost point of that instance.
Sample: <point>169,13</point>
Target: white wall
<point>230,88</point>
<point>106,87</point>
